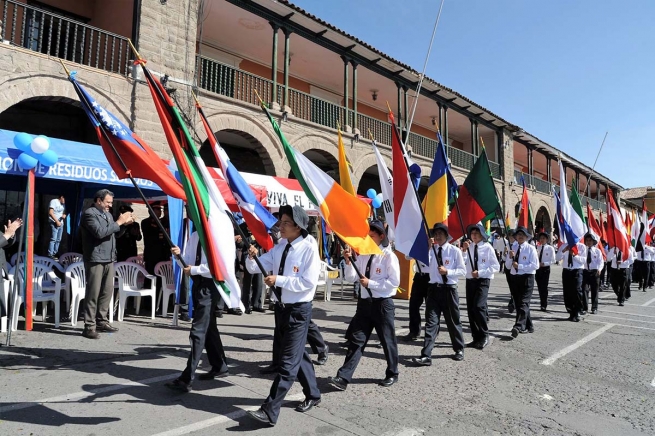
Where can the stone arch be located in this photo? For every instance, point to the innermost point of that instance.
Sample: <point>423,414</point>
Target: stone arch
<point>262,137</point>
<point>367,161</point>
<point>543,219</point>
<point>317,141</point>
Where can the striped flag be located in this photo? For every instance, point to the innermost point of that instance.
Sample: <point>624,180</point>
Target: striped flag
<point>344,169</point>
<point>644,238</point>
<point>594,228</point>
<point>617,237</point>
<point>575,229</point>
<point>386,186</point>
<point>205,205</point>
<point>442,188</point>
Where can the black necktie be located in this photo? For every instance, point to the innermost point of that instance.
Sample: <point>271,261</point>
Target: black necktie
<point>280,271</point>
<point>570,257</point>
<point>475,257</point>
<point>541,254</point>
<point>518,253</point>
<point>618,259</point>
<point>198,253</point>
<point>367,271</point>
<point>588,258</point>
<point>439,258</point>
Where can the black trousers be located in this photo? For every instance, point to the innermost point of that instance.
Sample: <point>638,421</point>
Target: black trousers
<point>251,295</point>
<point>314,337</point>
<point>572,286</point>
<point>416,300</point>
<point>590,281</point>
<point>628,282</point>
<point>522,288</point>
<point>651,280</point>
<point>619,279</point>
<point>378,314</point>
<point>477,291</point>
<point>643,269</point>
<point>204,331</point>
<point>294,360</point>
<point>542,277</point>
<point>604,275</point>
<point>509,278</point>
<point>442,299</point>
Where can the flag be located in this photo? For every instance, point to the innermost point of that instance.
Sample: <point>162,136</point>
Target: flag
<point>576,204</point>
<point>476,198</point>
<point>258,219</point>
<point>141,161</point>
<point>345,214</point>
<point>594,228</point>
<point>524,208</point>
<point>616,232</point>
<point>205,204</point>
<point>344,169</point>
<point>567,234</point>
<point>558,216</point>
<point>410,232</point>
<point>644,238</point>
<point>442,188</point>
<point>635,228</point>
<point>570,216</point>
<point>508,223</point>
<point>386,186</point>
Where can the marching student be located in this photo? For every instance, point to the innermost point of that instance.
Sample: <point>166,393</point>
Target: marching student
<point>446,268</point>
<point>572,265</point>
<point>481,264</point>
<point>642,265</point>
<point>592,267</point>
<point>416,299</point>
<point>546,259</point>
<point>522,261</point>
<point>375,308</point>
<point>499,244</point>
<point>297,263</point>
<point>619,273</point>
<point>508,275</point>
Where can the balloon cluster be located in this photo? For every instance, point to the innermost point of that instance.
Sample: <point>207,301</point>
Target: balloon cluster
<point>376,199</point>
<point>34,150</point>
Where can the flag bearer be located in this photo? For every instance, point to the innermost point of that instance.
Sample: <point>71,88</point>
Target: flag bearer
<point>481,264</point>
<point>619,271</point>
<point>522,262</point>
<point>546,255</point>
<point>297,263</point>
<point>446,268</point>
<point>375,308</point>
<point>642,264</point>
<point>572,264</point>
<point>593,265</point>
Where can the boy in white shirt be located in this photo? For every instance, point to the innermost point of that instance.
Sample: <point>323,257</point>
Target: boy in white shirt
<point>546,254</point>
<point>592,267</point>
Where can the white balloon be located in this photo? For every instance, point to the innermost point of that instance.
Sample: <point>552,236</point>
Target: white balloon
<point>40,144</point>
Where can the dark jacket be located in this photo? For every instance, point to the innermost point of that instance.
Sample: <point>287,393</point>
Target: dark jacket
<point>98,231</point>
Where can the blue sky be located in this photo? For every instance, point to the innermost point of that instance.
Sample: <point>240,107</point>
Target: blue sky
<point>565,71</point>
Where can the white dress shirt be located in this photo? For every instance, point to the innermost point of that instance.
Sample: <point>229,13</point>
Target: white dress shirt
<point>453,261</point>
<point>384,273</point>
<point>301,269</point>
<point>578,261</point>
<point>611,257</point>
<point>500,244</point>
<point>528,260</point>
<point>597,261</point>
<point>548,257</point>
<point>633,255</point>
<point>189,257</point>
<point>487,261</point>
<point>647,254</point>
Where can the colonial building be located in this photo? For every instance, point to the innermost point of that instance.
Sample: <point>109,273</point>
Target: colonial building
<point>315,76</point>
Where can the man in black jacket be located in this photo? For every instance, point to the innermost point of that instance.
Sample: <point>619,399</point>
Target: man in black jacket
<point>98,231</point>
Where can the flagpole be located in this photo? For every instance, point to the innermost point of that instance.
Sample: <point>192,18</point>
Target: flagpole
<point>127,171</point>
<point>594,167</point>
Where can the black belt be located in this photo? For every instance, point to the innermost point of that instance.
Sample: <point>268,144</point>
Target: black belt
<point>370,300</point>
<point>285,305</point>
<point>441,285</point>
<point>422,274</point>
<point>479,279</point>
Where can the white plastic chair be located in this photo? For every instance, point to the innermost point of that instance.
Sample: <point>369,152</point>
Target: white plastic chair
<point>39,293</point>
<point>136,259</point>
<point>128,274</point>
<point>324,280</point>
<point>67,259</point>
<point>165,271</point>
<point>76,285</point>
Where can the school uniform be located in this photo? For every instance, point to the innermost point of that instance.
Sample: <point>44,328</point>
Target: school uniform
<point>297,264</point>
<point>572,265</point>
<point>645,258</point>
<point>546,256</point>
<point>375,310</point>
<point>480,257</point>
<point>619,277</point>
<point>522,283</point>
<point>593,265</point>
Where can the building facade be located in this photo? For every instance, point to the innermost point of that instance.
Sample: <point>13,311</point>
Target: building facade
<point>316,78</point>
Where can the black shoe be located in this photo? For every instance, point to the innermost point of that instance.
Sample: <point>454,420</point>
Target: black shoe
<point>576,319</point>
<point>322,357</point>
<point>345,344</point>
<point>219,314</point>
<point>473,344</point>
<point>388,381</point>
<point>515,333</point>
<point>307,405</point>
<point>531,330</point>
<point>248,311</point>
<point>261,416</point>
<point>211,375</point>
<point>179,386</point>
<point>270,369</point>
<point>459,355</point>
<point>338,382</point>
<point>409,338</point>
<point>259,309</point>
<point>594,311</point>
<point>483,344</point>
<point>584,312</point>
<point>422,361</point>
<point>90,334</point>
<point>621,304</point>
<point>106,327</point>
<point>543,308</point>
<point>238,312</point>
<point>510,309</point>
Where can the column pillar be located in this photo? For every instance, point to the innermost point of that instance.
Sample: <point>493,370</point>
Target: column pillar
<point>398,113</point>
<point>287,62</point>
<point>354,117</point>
<point>549,169</point>
<point>440,119</point>
<point>500,152</point>
<point>444,126</point>
<point>472,136</point>
<point>508,199</point>
<point>344,121</point>
<point>405,114</point>
<point>273,103</point>
<point>577,181</point>
<point>477,138</point>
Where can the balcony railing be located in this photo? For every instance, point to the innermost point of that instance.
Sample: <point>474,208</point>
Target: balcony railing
<point>51,34</point>
<point>231,82</point>
<point>546,188</point>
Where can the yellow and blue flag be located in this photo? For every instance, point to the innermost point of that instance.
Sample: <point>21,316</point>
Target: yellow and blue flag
<point>442,188</point>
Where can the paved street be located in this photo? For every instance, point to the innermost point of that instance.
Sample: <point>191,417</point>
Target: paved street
<point>596,377</point>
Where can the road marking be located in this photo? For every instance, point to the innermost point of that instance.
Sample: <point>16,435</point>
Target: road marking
<point>626,313</point>
<point>200,425</point>
<point>624,319</point>
<point>576,345</point>
<point>653,383</point>
<point>81,395</point>
<point>648,303</point>
<point>621,325</point>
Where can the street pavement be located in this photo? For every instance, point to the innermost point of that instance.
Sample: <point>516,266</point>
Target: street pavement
<point>596,377</point>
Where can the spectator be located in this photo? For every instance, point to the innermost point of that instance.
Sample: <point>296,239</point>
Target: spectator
<point>56,217</point>
<point>6,240</point>
<point>126,241</point>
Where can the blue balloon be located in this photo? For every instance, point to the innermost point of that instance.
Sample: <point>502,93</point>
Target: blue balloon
<point>26,162</point>
<point>23,141</point>
<point>376,202</point>
<point>49,158</point>
<point>371,193</point>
